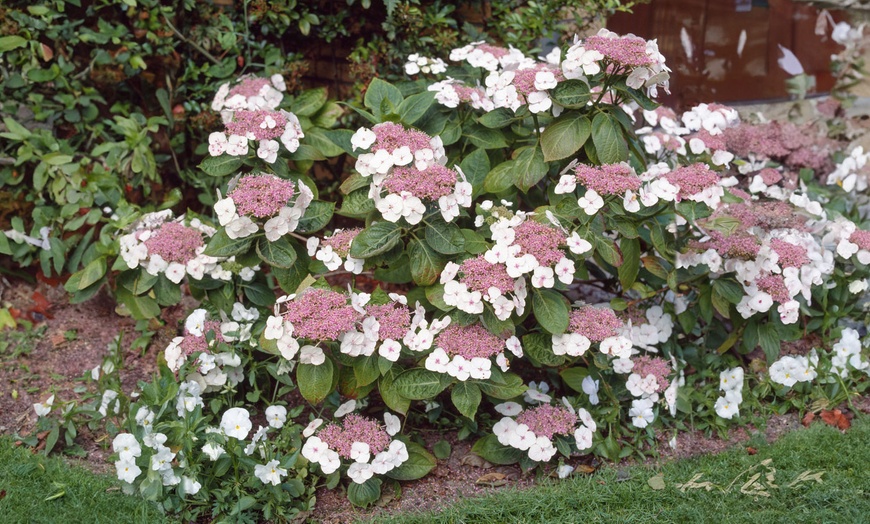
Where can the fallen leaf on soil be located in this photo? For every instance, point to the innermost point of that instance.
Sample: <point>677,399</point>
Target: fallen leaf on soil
<point>470,459</point>
<point>808,419</point>
<point>657,482</point>
<point>836,418</point>
<point>751,450</point>
<point>41,304</point>
<point>586,469</point>
<point>2,494</point>
<point>623,475</point>
<point>57,339</point>
<point>494,479</point>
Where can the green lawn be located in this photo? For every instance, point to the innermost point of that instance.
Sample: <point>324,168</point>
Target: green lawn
<point>842,496</point>
<point>35,489</point>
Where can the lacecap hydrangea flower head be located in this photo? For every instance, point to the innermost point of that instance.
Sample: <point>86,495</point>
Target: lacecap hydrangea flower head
<point>534,430</point>
<point>174,248</point>
<point>253,199</point>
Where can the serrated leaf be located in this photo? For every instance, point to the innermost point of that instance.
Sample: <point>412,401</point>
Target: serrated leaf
<point>550,310</point>
<point>539,348</point>
<point>221,165</point>
<point>419,384</point>
<point>318,214</point>
<point>377,92</point>
<point>530,168</point>
<point>609,143</point>
<point>357,204</point>
<point>573,378</point>
<point>415,106</point>
<point>484,138</point>
<point>466,397</point>
<point>279,253</point>
<point>420,462</point>
<point>500,178</point>
<point>509,386</point>
<point>309,102</point>
<point>476,166</point>
<point>315,382</point>
<point>426,263</point>
<point>378,238</point>
<point>444,237</point>
<point>221,245</point>
<point>628,271</point>
<point>564,137</point>
<point>497,118</point>
<point>571,94</point>
<point>365,494</point>
<point>491,450</point>
<point>92,272</point>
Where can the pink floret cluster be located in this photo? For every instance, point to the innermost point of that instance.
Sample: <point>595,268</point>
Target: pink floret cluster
<point>480,275</point>
<point>193,344</point>
<point>355,428</point>
<point>391,136</point>
<point>692,179</point>
<point>655,366</point>
<point>738,245</point>
<point>394,319</point>
<point>432,183</point>
<point>766,215</point>
<point>495,51</point>
<point>547,420</point>
<point>609,179</point>
<point>340,240</point>
<point>625,50</point>
<point>774,285</point>
<point>321,314</point>
<point>474,341</point>
<point>524,79</point>
<point>249,87</point>
<point>174,242</point>
<point>254,123</point>
<point>594,323</point>
<point>861,238</point>
<point>790,255</point>
<point>261,195</point>
<point>540,240</point>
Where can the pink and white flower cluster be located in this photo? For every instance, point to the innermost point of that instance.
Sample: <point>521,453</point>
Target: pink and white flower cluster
<point>212,370</point>
<point>593,324</point>
<point>408,172</point>
<point>466,352</point>
<point>323,315</point>
<point>527,247</point>
<point>789,370</point>
<point>359,441</point>
<point>467,286</point>
<point>174,248</point>
<point>418,63</point>
<point>451,92</point>
<point>249,111</point>
<point>334,250</point>
<point>263,198</point>
<point>534,430</point>
<point>847,352</point>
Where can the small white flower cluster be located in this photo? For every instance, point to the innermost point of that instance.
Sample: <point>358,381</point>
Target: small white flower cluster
<point>713,118</point>
<point>503,305</point>
<point>483,55</point>
<point>840,233</point>
<point>44,408</point>
<point>502,90</point>
<point>421,64</point>
<point>850,173</point>
<point>731,385</point>
<point>656,330</point>
<point>789,370</point>
<point>450,92</point>
<point>421,334</point>
<point>330,258</point>
<point>365,465</point>
<point>134,251</point>
<point>286,221</point>
<point>268,97</point>
<point>847,352</point>
<point>663,132</point>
